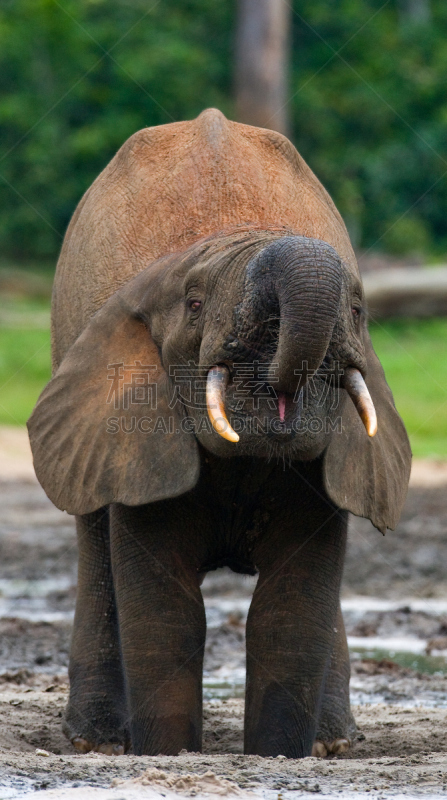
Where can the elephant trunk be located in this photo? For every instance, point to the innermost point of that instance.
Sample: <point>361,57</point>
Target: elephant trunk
<point>308,285</point>
<point>294,285</point>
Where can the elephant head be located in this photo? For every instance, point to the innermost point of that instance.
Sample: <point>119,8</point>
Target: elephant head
<point>248,343</point>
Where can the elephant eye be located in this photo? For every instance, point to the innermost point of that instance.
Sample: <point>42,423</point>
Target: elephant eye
<point>355,312</point>
<point>194,305</point>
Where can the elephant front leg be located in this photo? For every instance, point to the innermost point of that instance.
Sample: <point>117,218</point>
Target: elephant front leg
<point>96,711</point>
<point>162,630</point>
<point>336,727</point>
<point>290,634</point>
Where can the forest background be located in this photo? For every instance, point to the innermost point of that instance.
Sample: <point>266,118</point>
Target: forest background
<point>366,106</point>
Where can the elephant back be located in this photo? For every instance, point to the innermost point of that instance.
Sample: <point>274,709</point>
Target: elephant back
<point>170,186</point>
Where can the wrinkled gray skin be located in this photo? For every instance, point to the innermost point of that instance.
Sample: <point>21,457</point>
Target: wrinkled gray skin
<point>156,511</point>
<point>289,289</point>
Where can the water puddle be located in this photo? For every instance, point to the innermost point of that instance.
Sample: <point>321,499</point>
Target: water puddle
<point>361,604</point>
<point>420,662</point>
<point>34,599</point>
<point>226,683</point>
<point>395,631</point>
<point>222,691</point>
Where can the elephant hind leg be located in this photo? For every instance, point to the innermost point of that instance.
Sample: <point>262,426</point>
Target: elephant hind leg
<point>96,712</point>
<point>336,729</point>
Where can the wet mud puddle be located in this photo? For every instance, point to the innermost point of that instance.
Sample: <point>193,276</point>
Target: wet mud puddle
<point>404,640</point>
<point>395,609</point>
<point>38,562</point>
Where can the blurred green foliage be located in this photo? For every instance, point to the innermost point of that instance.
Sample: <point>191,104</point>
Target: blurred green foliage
<point>372,122</point>
<point>77,78</point>
<point>368,105</point>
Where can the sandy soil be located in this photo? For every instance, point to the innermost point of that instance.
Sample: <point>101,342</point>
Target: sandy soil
<point>401,747</point>
<point>399,750</point>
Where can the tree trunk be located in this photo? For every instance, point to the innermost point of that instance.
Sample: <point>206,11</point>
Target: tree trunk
<point>262,55</point>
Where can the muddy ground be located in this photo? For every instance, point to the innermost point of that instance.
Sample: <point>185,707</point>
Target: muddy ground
<point>394,596</point>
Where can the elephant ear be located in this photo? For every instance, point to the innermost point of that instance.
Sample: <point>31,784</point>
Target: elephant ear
<point>369,476</point>
<point>102,430</point>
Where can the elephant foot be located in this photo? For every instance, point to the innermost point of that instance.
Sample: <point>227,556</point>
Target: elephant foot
<point>336,747</point>
<point>336,730</point>
<point>89,738</point>
<point>107,748</point>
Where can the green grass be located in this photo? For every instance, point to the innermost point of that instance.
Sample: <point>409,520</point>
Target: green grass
<point>414,357</point>
<point>24,371</point>
<point>413,353</point>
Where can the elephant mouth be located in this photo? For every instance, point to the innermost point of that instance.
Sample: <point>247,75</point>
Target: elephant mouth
<point>218,379</point>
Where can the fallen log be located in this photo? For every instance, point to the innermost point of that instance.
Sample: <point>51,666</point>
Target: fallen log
<point>406,292</point>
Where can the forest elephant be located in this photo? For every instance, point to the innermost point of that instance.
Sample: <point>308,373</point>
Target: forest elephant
<point>215,401</point>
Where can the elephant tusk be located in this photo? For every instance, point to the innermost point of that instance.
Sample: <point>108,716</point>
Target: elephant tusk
<point>216,384</point>
<point>357,389</point>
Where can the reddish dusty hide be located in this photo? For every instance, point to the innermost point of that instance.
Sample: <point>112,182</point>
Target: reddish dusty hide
<point>169,186</point>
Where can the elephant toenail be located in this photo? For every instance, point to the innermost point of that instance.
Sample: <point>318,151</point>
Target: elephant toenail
<point>110,749</point>
<point>339,746</point>
<point>319,750</point>
<point>81,745</point>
